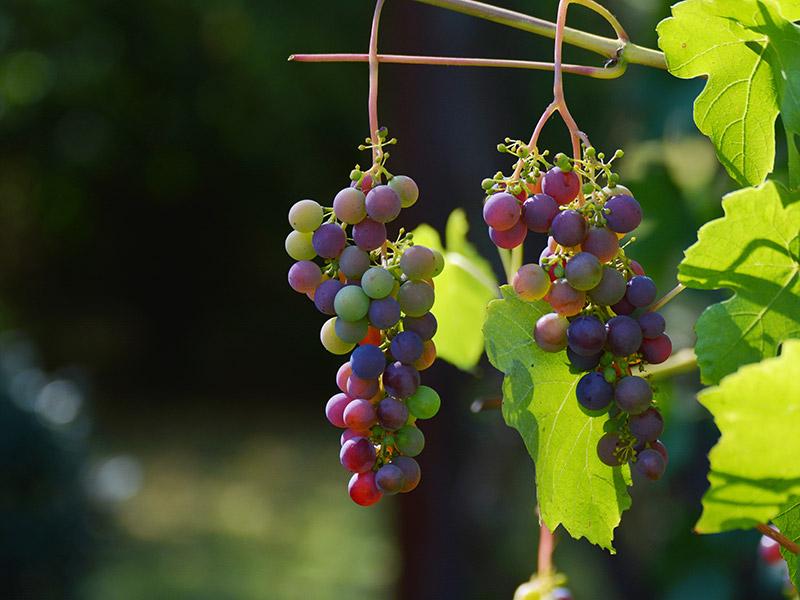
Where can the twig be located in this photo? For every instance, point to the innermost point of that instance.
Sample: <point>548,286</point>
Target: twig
<point>779,537</point>
<point>683,361</point>
<point>667,297</point>
<point>373,83</point>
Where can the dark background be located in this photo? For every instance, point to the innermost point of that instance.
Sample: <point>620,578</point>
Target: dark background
<point>161,430</point>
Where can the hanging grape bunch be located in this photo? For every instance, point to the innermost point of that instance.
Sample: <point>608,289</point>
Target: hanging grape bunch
<point>600,297</point>
<point>378,294</point>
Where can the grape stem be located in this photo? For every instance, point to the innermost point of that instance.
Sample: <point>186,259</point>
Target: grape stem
<point>778,537</point>
<point>546,546</point>
<point>377,149</point>
<point>667,297</point>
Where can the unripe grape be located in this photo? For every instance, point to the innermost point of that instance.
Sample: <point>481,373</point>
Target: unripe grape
<point>416,298</point>
<point>424,403</point>
<point>655,351</point>
<point>361,389</point>
<point>349,206</point>
<point>353,262</point>
<point>428,356</point>
<point>360,415</point>
<point>357,455</point>
<point>349,434</point>
<point>334,409</point>
<point>601,242</point>
<point>583,271</point>
<point>384,313</point>
<point>342,376</point>
<point>438,263</point>
<point>351,303</point>
<point>304,276</point>
<point>351,331</point>
<point>382,204</point>
<point>305,216</point>
<point>501,211</point>
<point>565,299</point>
<point>568,228</point>
<point>617,190</point>
<point>531,282</point>
<point>409,440</point>
<point>624,213</point>
<point>377,282</point>
<point>550,332</point>
<point>562,186</point>
<point>510,238</point>
<point>633,394</point>
<point>406,189</point>
<point>538,212</point>
<point>363,490</point>
<point>369,235</point>
<point>611,289</point>
<point>417,263</point>
<point>329,240</point>
<point>331,341</point>
<point>636,268</point>
<point>411,472</point>
<point>299,247</point>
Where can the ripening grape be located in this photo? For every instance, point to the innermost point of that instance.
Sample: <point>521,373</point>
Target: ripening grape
<point>583,363</point>
<point>550,332</point>
<point>624,213</point>
<point>531,282</point>
<point>349,207</point>
<point>611,289</point>
<point>501,211</point>
<point>384,313</point>
<point>568,228</point>
<point>342,376</point>
<point>392,414</point>
<point>623,307</point>
<point>361,389</point>
<point>360,415</point>
<point>415,298</point>
<point>377,282</point>
<point>353,262</point>
<point>661,449</point>
<point>383,204</point>
<point>406,347</point>
<point>305,216</point>
<point>409,440</point>
<point>656,350</point>
<point>349,434</point>
<point>594,392</point>
<point>363,490</point>
<point>583,271</point>
<point>304,276</point>
<point>357,455</point>
<point>428,356</point>
<point>351,331</point>
<point>636,268</point>
<point>652,324</point>
<point>417,263</point>
<point>607,449</point>
<point>329,240</point>
<point>369,235</point>
<point>334,409</point>
<point>586,335</point>
<point>616,190</point>
<point>389,479</point>
<point>438,263</point>
<point>624,335</point>
<point>510,238</point>
<point>424,403</point>
<point>406,188</point>
<point>641,291</point>
<point>538,212</point>
<point>565,299</point>
<point>331,341</point>
<point>368,361</point>
<point>425,326</point>
<point>411,472</point>
<point>299,247</point>
<point>325,295</point>
<point>601,242</point>
<point>562,186</point>
<point>647,426</point>
<point>633,394</point>
<point>769,550</point>
<point>351,303</point>
<point>399,380</point>
<point>650,463</point>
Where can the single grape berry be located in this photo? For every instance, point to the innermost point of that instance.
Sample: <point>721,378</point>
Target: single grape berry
<point>661,449</point>
<point>428,356</point>
<point>611,289</point>
<point>623,307</point>
<point>769,550</point>
<point>411,472</point>
<point>334,409</point>
<point>624,335</point>
<point>351,303</point>
<point>384,313</point>
<point>409,440</point>
<point>304,276</point>
<point>325,295</point>
<point>594,392</point>
<point>647,426</point>
<point>389,479</point>
<point>602,243</point>
<point>418,262</point>
<point>624,213</point>
<point>586,335</point>
<point>511,238</point>
<point>406,347</point>
<point>331,341</point>
<point>607,449</point>
<point>415,298</point>
<point>400,381</point>
<point>368,361</point>
<point>636,268</point>
<point>641,291</point>
<point>657,350</point>
<point>299,247</point>
<point>305,216</point>
<point>562,186</point>
<point>652,324</point>
<point>424,403</point>
<point>351,331</point>
<point>438,263</point>
<point>342,375</point>
<point>501,211</point>
<point>538,212</point>
<point>406,188</point>
<point>362,389</point>
<point>348,434</point>
<point>583,271</point>
<point>565,299</point>
<point>369,235</point>
<point>353,262</point>
<point>550,332</point>
<point>583,363</point>
<point>360,415</point>
<point>357,455</point>
<point>377,282</point>
<point>382,204</point>
<point>650,463</point>
<point>568,228</point>
<point>633,394</point>
<point>425,326</point>
<point>329,240</point>
<point>349,207</point>
<point>392,414</point>
<point>363,490</point>
<point>531,282</point>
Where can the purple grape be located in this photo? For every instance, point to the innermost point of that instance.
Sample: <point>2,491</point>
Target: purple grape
<point>650,463</point>
<point>601,242</point>
<point>383,204</point>
<point>538,212</point>
<point>562,186</point>
<point>586,335</point>
<point>400,381</point>
<point>369,235</point>
<point>329,240</point>
<point>392,414</point>
<point>550,332</point>
<point>304,276</point>
<point>361,389</point>
<point>607,449</point>
<point>636,268</point>
<point>348,206</point>
<point>568,228</point>
<point>362,489</point>
<point>565,299</point>
<point>624,214</point>
<point>623,307</point>
<point>583,363</point>
<point>501,211</point>
<point>342,375</point>
<point>416,298</point>
<point>633,394</point>
<point>334,409</point>
<point>411,472</point>
<point>657,350</point>
<point>661,449</point>
<point>384,313</point>
<point>353,262</point>
<point>594,392</point>
<point>611,289</point>
<point>406,347</point>
<point>510,238</point>
<point>348,434</point>
<point>389,479</point>
<point>326,292</point>
<point>647,426</point>
<point>360,415</point>
<point>368,361</point>
<point>425,326</point>
<point>624,335</point>
<point>652,324</point>
<point>418,262</point>
<point>357,455</point>
<point>641,291</point>
<point>583,271</point>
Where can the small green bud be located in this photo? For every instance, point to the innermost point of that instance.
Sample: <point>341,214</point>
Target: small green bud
<point>524,151</point>
<point>355,174</point>
<point>588,188</point>
<point>590,152</point>
<point>613,179</point>
<point>502,148</point>
<point>487,184</point>
<point>601,156</point>
<point>383,132</point>
<point>559,270</point>
<point>619,154</point>
<point>606,359</point>
<point>610,374</point>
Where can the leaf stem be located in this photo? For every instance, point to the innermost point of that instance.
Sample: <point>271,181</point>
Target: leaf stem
<point>373,83</point>
<point>546,546</point>
<point>778,537</point>
<point>683,361</point>
<point>667,297</point>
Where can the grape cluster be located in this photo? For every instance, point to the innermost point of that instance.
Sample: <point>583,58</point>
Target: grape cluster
<point>378,294</point>
<point>599,296</point>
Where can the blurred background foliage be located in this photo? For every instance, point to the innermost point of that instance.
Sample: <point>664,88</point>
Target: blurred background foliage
<point>161,425</point>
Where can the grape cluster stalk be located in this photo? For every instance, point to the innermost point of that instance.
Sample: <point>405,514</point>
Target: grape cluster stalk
<point>600,297</point>
<point>378,294</point>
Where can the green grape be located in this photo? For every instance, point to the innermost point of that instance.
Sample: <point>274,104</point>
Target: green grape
<point>298,246</point>
<point>415,298</point>
<point>409,440</point>
<point>351,303</point>
<point>332,342</point>
<point>377,282</point>
<point>424,403</point>
<point>305,216</point>
<point>438,263</point>
<point>406,188</point>
<point>418,262</point>
<point>351,332</point>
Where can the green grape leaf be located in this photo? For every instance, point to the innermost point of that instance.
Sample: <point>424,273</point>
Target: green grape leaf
<point>753,251</point>
<point>573,487</point>
<point>750,51</point>
<point>789,524</point>
<point>463,290</point>
<point>754,466</point>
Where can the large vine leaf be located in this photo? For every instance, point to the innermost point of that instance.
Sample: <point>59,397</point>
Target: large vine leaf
<point>462,291</point>
<point>789,524</point>
<point>574,488</point>
<point>752,250</point>
<point>750,51</point>
<point>754,466</point>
